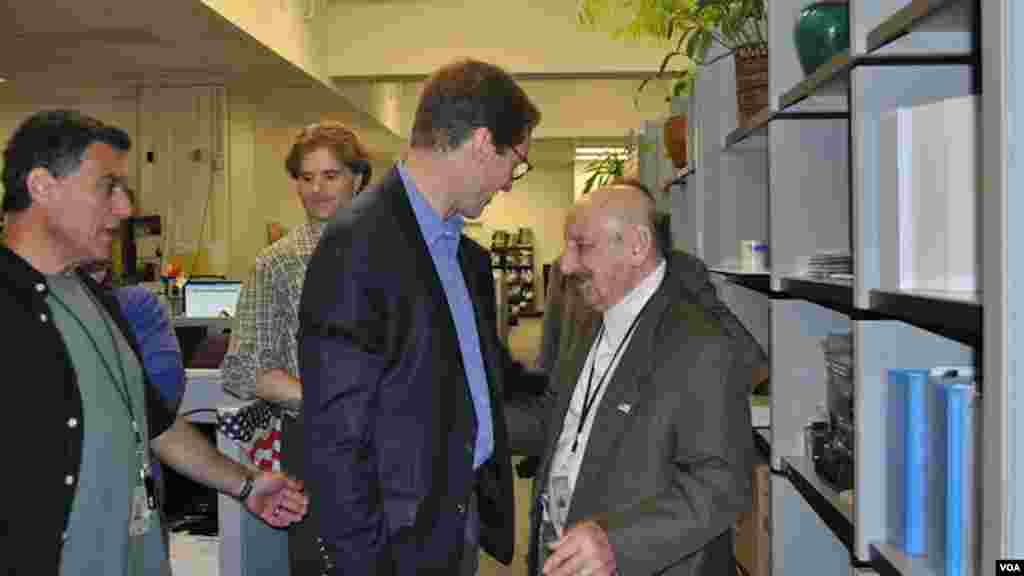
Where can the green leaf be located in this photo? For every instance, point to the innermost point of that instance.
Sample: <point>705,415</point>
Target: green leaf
<point>589,183</point>
<point>691,26</point>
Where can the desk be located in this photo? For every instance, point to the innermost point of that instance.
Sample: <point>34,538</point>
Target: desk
<point>219,324</point>
<point>247,545</point>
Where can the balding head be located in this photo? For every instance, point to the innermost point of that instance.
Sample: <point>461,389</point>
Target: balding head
<point>611,244</point>
<point>623,206</point>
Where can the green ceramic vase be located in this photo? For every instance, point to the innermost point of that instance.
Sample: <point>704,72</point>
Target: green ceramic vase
<point>821,32</point>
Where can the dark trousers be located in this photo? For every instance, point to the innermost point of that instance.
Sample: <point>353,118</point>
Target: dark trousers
<point>305,556</point>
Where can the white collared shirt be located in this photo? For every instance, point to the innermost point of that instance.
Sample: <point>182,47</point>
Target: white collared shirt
<point>617,321</point>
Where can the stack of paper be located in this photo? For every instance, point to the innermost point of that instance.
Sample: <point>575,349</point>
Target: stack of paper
<point>829,265</point>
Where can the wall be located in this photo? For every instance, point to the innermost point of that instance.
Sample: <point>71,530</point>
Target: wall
<point>181,144</point>
<point>527,36</point>
<point>294,29</point>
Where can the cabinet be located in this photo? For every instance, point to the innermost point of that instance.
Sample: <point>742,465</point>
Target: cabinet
<point>816,148</point>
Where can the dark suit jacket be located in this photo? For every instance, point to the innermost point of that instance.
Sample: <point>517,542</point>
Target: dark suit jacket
<point>668,465</point>
<point>388,414</point>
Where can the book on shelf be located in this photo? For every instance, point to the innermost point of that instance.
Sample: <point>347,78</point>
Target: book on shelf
<point>961,405</point>
<point>930,468</point>
<point>907,467</point>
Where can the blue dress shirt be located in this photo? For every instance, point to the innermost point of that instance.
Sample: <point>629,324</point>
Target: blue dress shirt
<point>442,238</point>
<point>161,356</point>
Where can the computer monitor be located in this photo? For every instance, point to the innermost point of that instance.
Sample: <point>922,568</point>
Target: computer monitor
<point>211,298</point>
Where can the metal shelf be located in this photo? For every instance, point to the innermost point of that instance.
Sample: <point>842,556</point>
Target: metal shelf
<point>924,16</point>
<point>822,498</point>
<point>830,80</point>
<point>763,442</point>
<point>827,89</point>
<point>955,315</point>
<point>834,295</point>
<point>755,135</point>
<point>757,281</point>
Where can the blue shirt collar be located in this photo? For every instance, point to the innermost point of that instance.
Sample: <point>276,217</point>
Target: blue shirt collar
<point>431,224</point>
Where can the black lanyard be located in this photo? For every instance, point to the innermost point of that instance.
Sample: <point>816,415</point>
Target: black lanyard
<point>589,399</point>
<point>120,385</point>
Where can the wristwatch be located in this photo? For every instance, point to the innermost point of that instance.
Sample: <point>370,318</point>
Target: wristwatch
<point>246,489</point>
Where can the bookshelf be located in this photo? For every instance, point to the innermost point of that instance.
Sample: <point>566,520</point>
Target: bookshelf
<point>815,149</point>
<point>512,260</point>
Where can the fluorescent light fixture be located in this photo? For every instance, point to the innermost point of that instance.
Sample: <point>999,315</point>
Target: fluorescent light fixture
<point>587,153</point>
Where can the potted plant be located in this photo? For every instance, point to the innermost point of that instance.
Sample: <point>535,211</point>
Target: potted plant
<point>605,169</point>
<point>676,134</point>
<point>693,27</point>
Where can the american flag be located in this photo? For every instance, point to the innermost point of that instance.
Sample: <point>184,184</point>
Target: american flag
<point>257,429</point>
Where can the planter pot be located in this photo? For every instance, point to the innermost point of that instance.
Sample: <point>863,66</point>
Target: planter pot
<point>676,139</point>
<point>751,82</point>
<point>822,31</point>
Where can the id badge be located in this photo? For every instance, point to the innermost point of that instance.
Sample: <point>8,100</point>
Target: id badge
<point>142,514</point>
<point>559,501</point>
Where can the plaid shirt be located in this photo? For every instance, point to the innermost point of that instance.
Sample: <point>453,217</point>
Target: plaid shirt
<point>268,313</point>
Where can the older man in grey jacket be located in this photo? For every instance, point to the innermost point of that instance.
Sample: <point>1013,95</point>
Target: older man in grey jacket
<point>644,437</point>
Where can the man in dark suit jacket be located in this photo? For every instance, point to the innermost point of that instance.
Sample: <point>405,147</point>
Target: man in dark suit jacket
<point>401,369</point>
<point>645,440</point>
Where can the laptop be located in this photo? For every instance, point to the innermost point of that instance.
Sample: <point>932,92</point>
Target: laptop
<point>211,298</point>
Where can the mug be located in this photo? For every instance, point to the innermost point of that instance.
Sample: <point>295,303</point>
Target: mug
<point>753,256</point>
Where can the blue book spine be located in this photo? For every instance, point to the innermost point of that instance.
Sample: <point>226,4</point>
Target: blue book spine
<point>917,445</point>
<point>908,459</point>
<point>960,402</point>
<point>951,474</point>
<point>895,460</point>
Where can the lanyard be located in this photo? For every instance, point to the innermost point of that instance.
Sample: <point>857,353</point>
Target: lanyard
<point>120,385</point>
<point>589,399</point>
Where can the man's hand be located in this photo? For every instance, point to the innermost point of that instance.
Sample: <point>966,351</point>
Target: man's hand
<point>583,550</point>
<point>277,499</point>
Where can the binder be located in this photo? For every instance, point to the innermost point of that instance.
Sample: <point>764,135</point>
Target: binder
<point>960,395</point>
<point>908,417</point>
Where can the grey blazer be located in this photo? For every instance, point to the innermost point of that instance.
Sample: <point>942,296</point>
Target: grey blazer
<point>668,465</point>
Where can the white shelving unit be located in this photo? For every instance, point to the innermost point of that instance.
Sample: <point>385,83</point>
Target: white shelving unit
<point>812,154</point>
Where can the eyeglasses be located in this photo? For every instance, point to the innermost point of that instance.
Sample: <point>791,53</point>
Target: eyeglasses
<point>522,168</point>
